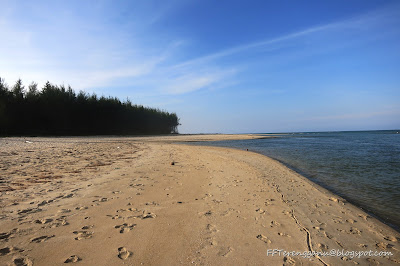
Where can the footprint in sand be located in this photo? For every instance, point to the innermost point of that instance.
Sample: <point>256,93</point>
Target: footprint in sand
<point>5,236</point>
<point>64,211</point>
<point>5,251</point>
<point>322,247</point>
<point>62,221</point>
<point>365,217</point>
<point>261,211</point>
<point>125,227</point>
<point>79,208</point>
<point>334,199</point>
<point>284,234</point>
<point>126,210</point>
<point>344,258</point>
<point>391,238</point>
<point>137,186</point>
<point>264,239</point>
<point>8,250</point>
<point>72,259</point>
<point>337,220</point>
<point>289,261</point>
<point>274,223</point>
<point>43,221</point>
<point>269,202</point>
<point>372,261</point>
<point>339,244</point>
<point>101,200</point>
<point>354,231</point>
<point>87,227</point>
<point>41,238</point>
<point>211,228</point>
<point>384,246</point>
<point>207,195</point>
<point>45,202</point>
<point>147,215</point>
<point>152,203</point>
<point>22,262</point>
<point>114,217</point>
<point>229,212</point>
<point>83,235</point>
<point>318,228</point>
<point>68,196</point>
<point>207,213</point>
<point>225,251</point>
<point>327,235</point>
<point>123,253</point>
<point>29,211</point>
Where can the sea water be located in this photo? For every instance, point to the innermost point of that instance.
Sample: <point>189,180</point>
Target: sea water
<point>362,166</point>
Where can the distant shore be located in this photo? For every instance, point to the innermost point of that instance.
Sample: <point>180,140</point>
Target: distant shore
<point>148,200</point>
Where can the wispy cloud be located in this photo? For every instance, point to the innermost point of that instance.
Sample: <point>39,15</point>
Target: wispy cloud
<point>363,21</point>
<point>250,46</point>
<point>190,81</point>
<point>353,116</point>
<point>59,48</point>
<point>66,47</point>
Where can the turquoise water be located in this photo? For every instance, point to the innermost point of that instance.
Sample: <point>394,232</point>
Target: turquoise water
<point>362,167</point>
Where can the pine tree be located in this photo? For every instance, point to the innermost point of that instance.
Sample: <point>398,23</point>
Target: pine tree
<point>18,90</point>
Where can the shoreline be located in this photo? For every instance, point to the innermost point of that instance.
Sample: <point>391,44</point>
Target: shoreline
<point>334,193</point>
<point>324,188</point>
<point>387,221</point>
<point>121,200</point>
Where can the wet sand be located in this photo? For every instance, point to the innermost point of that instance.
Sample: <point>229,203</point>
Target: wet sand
<point>146,200</point>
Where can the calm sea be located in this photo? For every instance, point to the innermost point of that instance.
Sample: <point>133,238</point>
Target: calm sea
<point>362,167</point>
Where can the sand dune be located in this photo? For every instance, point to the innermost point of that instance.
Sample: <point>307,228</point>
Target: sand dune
<point>112,201</point>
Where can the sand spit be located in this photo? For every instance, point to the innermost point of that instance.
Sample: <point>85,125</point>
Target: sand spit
<point>114,201</point>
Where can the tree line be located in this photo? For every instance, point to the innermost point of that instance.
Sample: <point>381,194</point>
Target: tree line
<point>58,110</point>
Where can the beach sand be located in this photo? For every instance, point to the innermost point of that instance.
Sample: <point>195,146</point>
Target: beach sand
<point>148,201</point>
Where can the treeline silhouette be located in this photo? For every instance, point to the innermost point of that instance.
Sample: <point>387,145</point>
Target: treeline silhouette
<point>57,110</point>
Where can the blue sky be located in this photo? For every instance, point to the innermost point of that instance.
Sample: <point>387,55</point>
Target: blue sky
<point>222,66</point>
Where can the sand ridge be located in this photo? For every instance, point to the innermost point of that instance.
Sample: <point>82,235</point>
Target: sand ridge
<point>112,201</point>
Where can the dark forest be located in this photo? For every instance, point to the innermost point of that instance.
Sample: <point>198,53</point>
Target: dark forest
<point>59,111</point>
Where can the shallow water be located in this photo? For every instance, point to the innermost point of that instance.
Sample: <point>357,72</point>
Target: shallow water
<point>362,166</point>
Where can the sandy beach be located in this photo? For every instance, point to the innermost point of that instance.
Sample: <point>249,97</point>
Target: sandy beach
<point>150,201</point>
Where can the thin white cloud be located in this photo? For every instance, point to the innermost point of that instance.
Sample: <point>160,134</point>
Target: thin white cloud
<point>65,47</point>
<point>364,21</point>
<point>189,84</point>
<point>82,53</point>
<point>353,116</point>
<point>193,82</point>
<point>249,46</point>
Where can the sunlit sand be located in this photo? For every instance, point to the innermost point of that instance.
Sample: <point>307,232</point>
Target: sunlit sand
<point>103,201</point>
